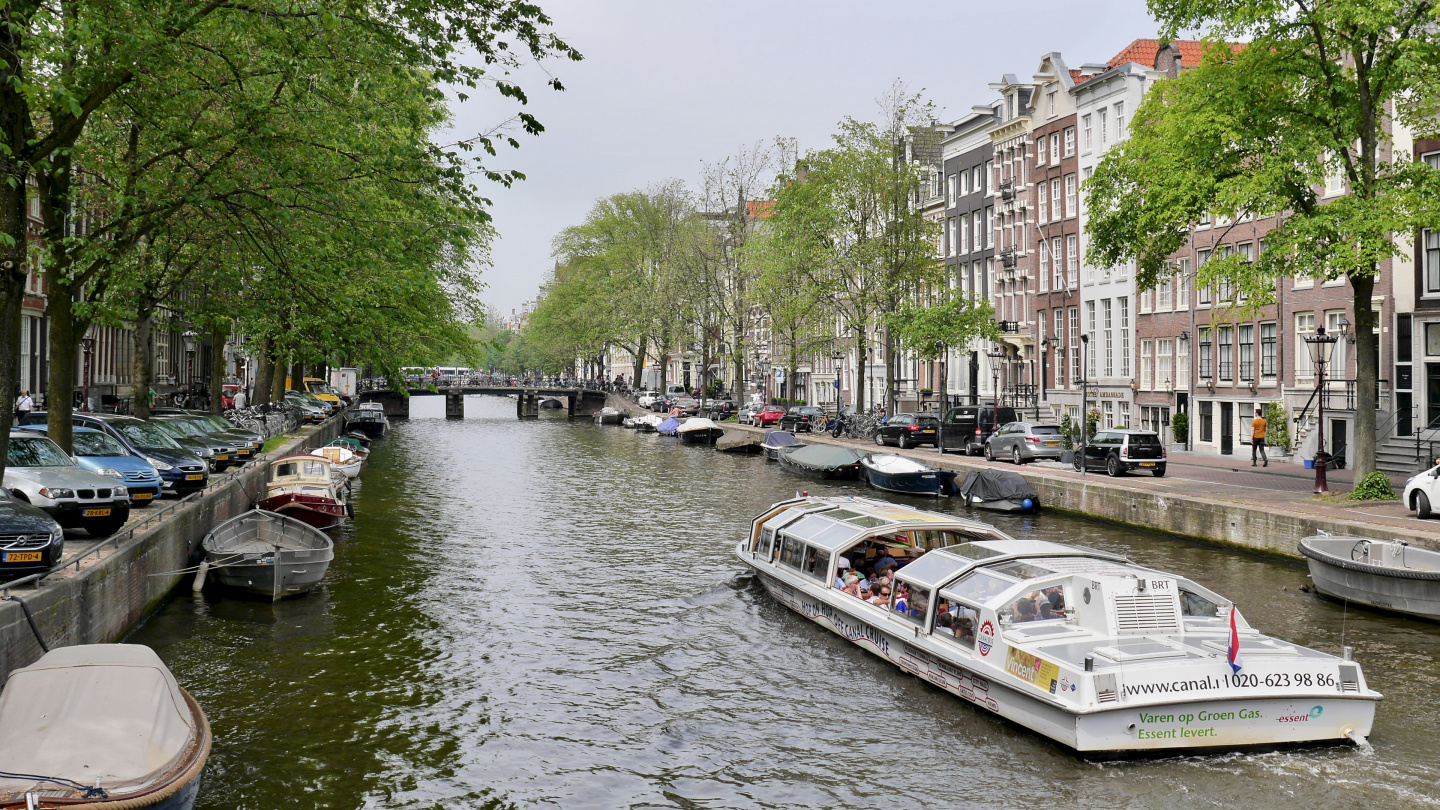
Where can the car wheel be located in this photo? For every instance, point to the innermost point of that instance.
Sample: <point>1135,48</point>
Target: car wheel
<point>989,452</point>
<point>1112,467</point>
<point>1422,505</point>
<point>904,442</point>
<point>1078,461</point>
<point>1015,456</point>
<point>1160,471</point>
<point>879,439</point>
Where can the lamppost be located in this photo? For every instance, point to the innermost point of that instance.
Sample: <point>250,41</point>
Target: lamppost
<point>89,345</point>
<point>839,358</point>
<point>1084,404</point>
<point>995,354</point>
<point>1047,350</point>
<point>1320,346</point>
<point>1185,339</point>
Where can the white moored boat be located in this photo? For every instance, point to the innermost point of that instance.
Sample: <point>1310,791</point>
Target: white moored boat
<point>1082,646</point>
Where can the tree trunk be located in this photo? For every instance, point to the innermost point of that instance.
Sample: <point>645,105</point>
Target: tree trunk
<point>60,399</point>
<point>297,376</point>
<point>1367,375</point>
<point>13,267</point>
<point>218,335</point>
<point>277,377</point>
<point>890,363</point>
<point>264,371</point>
<point>861,360</point>
<point>638,366</point>
<point>144,355</point>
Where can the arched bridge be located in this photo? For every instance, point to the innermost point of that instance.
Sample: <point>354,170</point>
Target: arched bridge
<point>579,402</point>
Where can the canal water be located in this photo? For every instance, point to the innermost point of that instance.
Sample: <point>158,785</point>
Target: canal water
<point>549,614</point>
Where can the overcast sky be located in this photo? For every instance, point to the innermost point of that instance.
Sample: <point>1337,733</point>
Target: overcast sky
<point>666,87</point>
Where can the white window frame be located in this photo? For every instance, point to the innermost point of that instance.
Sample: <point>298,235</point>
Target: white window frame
<point>1072,260</point>
<point>1119,121</point>
<point>1089,138</point>
<point>1147,350</point>
<point>1070,195</point>
<point>1069,141</point>
<point>1040,201</point>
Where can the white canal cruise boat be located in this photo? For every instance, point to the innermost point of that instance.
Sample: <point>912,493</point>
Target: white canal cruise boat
<point>1082,646</point>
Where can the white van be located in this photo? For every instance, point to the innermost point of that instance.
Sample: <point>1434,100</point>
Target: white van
<point>673,390</point>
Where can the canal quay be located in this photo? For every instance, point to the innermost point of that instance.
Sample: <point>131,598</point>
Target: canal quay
<point>549,613</point>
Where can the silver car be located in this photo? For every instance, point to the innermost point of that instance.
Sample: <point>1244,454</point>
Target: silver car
<point>1025,441</point>
<point>38,472</point>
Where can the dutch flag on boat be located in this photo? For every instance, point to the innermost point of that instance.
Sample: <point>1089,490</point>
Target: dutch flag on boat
<point>1234,652</point>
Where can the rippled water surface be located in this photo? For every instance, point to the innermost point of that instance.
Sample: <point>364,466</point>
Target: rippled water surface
<point>550,614</point>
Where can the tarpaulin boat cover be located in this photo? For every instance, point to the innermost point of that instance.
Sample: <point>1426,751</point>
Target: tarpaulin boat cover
<point>996,485</point>
<point>734,440</point>
<point>668,426</point>
<point>823,456</point>
<point>696,423</point>
<point>107,714</point>
<point>780,438</point>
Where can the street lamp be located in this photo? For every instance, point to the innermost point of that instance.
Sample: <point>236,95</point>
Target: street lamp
<point>89,345</point>
<point>1320,346</point>
<point>839,358</point>
<point>1084,404</point>
<point>995,354</point>
<point>1047,352</point>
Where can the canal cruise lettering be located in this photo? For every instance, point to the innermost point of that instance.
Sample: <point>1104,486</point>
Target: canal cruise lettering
<point>1101,654</point>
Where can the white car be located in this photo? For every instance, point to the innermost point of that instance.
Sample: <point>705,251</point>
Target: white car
<point>1422,492</point>
<point>647,399</point>
<point>39,473</point>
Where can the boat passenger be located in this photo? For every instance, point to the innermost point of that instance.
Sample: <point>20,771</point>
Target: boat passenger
<point>902,602</point>
<point>1056,597</point>
<point>841,566</point>
<point>885,562</point>
<point>945,623</point>
<point>852,584</point>
<point>880,593</point>
<point>965,629</point>
<point>1047,612</point>
<point>1025,610</point>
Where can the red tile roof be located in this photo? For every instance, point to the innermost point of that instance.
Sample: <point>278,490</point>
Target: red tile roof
<point>1076,78</point>
<point>1144,51</point>
<point>759,209</point>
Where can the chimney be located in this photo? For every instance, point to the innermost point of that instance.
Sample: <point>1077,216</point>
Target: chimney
<point>1168,60</point>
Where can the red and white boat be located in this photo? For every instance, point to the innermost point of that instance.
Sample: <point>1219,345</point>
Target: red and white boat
<point>307,488</point>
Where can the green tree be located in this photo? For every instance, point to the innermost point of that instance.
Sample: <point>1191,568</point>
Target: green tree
<point>930,331</point>
<point>1257,130</point>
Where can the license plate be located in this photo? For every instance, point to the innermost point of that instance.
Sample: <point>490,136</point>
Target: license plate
<point>142,496</point>
<point>97,513</point>
<point>1052,444</point>
<point>222,458</point>
<point>927,431</point>
<point>22,556</point>
<point>1147,464</point>
<point>195,477</point>
<point>244,453</point>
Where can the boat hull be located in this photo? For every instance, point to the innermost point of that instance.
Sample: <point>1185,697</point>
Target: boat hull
<point>274,576</point>
<point>932,483</point>
<point>374,428</point>
<point>774,453</point>
<point>706,436</point>
<point>1124,730</point>
<point>1004,505</point>
<point>843,472</point>
<point>1416,597</point>
<point>322,513</point>
<point>608,418</point>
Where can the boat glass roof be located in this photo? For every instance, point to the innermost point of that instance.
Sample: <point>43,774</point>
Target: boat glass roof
<point>972,551</point>
<point>933,569</point>
<point>978,586</point>
<point>1022,570</point>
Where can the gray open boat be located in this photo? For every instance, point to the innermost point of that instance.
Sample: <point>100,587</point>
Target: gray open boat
<point>1388,574</point>
<point>268,554</point>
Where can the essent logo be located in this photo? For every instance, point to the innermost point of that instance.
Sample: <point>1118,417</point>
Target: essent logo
<point>1317,711</point>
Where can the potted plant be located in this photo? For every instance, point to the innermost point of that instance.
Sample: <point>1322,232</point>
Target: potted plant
<point>1180,429</point>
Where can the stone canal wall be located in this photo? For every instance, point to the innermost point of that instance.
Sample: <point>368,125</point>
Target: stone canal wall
<point>109,596</point>
<point>1274,527</point>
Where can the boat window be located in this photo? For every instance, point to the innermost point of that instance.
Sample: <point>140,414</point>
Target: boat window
<point>762,543</point>
<point>866,521</point>
<point>285,470</point>
<point>980,586</point>
<point>972,551</point>
<point>843,514</point>
<point>1039,605</point>
<point>958,621</point>
<point>912,602</point>
<point>808,526</point>
<point>1022,570</point>
<point>1193,604</point>
<point>933,569</point>
<point>817,563</point>
<point>835,535</point>
<point>791,551</point>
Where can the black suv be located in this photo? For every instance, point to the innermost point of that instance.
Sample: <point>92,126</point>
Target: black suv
<point>1120,451</point>
<point>967,427</point>
<point>908,430</point>
<point>799,418</point>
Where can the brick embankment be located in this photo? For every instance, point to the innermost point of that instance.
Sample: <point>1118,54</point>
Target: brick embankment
<point>108,594</point>
<point>1221,511</point>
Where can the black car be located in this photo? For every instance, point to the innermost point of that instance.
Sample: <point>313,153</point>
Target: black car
<point>799,418</point>
<point>967,427</point>
<point>182,471</point>
<point>30,540</point>
<point>718,409</point>
<point>1120,451</point>
<point>247,442</point>
<point>908,430</point>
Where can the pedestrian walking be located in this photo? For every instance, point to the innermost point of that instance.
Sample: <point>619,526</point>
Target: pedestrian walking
<point>1257,438</point>
<point>23,406</point>
<point>240,400</point>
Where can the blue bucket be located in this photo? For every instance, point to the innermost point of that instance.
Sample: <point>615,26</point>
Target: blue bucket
<point>1309,463</point>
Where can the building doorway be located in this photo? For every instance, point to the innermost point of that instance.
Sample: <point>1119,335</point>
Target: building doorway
<point>1227,428</point>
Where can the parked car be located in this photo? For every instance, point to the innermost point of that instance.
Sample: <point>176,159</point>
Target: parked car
<point>100,453</point>
<point>312,412</point>
<point>247,442</point>
<point>718,409</point>
<point>908,430</point>
<point>800,417</point>
<point>1024,441</point>
<point>746,414</point>
<point>1422,493</point>
<point>38,472</point>
<point>30,540</point>
<point>217,453</point>
<point>769,415</point>
<point>688,405</point>
<point>181,470</point>
<point>647,398</point>
<point>1120,451</point>
<point>966,427</point>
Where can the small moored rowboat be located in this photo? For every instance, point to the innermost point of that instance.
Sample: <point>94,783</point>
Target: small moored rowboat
<point>1386,574</point>
<point>267,554</point>
<point>342,458</point>
<point>779,442</point>
<point>824,460</point>
<point>307,488</point>
<point>1085,647</point>
<point>649,422</point>
<point>103,725</point>
<point>999,491</point>
<point>699,430</point>
<point>895,473</point>
<point>737,441</point>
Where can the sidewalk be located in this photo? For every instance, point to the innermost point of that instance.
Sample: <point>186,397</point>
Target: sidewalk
<point>1277,498</point>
